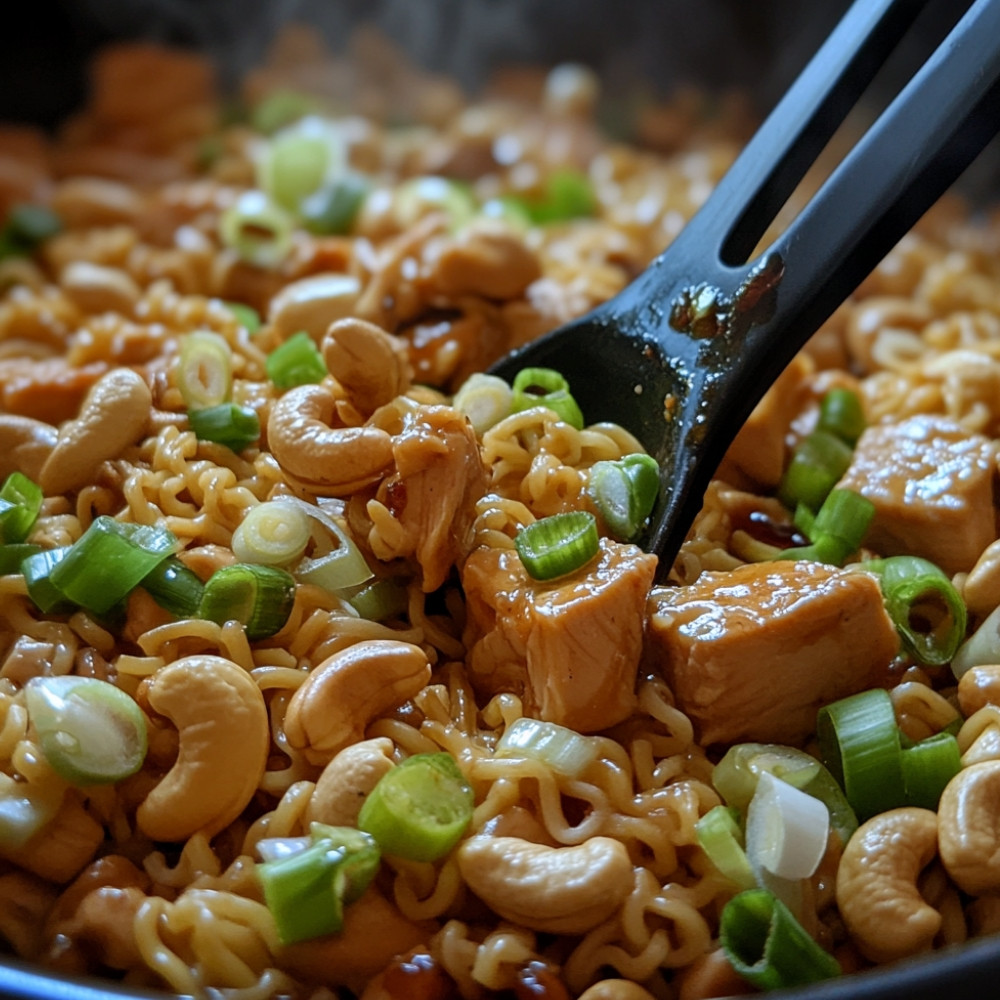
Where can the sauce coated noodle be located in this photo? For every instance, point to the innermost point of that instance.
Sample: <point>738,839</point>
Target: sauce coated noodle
<point>152,879</point>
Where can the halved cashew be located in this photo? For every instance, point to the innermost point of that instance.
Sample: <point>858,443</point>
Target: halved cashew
<point>115,414</point>
<point>337,460</point>
<point>877,884</point>
<point>224,736</point>
<point>488,259</point>
<point>969,828</point>
<point>25,444</point>
<point>371,364</point>
<point>346,781</point>
<point>557,890</point>
<point>313,303</point>
<point>349,689</point>
<point>616,989</point>
<point>96,288</point>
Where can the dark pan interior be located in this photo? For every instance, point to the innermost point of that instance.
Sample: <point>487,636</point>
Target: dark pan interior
<point>655,43</point>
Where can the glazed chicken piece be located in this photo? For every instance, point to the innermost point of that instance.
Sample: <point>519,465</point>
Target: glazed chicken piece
<point>569,647</point>
<point>932,486</point>
<point>753,653</point>
<point>439,477</point>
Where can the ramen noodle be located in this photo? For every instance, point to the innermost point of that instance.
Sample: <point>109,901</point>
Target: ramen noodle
<point>180,247</point>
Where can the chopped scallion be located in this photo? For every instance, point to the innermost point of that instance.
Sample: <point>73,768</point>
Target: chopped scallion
<point>568,194</point>
<point>816,465</point>
<point>928,766</point>
<point>20,505</point>
<point>12,555</point>
<point>418,196</point>
<point>296,362</point>
<point>835,531</point>
<point>736,775</point>
<point>840,414</point>
<point>624,493</point>
<point>90,731</point>
<point>281,107</point>
<point>259,597</point>
<point>274,533</point>
<point>229,424</point>
<point>26,809</point>
<point>558,544</point>
<point>259,231</point>
<point>298,159</point>
<point>380,600</point>
<point>420,808</point>
<point>924,605</point>
<point>332,209</point>
<point>485,400</point>
<point>175,587</point>
<point>982,647</point>
<point>720,837</point>
<point>564,750</point>
<point>545,387</point>
<point>37,569</point>
<point>246,315</point>
<point>768,947</point>
<point>25,228</point>
<point>787,829</point>
<point>204,370</point>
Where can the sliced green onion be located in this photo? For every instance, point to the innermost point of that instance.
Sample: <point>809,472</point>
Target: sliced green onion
<point>485,400</point>
<point>306,891</point>
<point>816,465</point>
<point>204,370</point>
<point>736,775</point>
<point>298,159</point>
<point>25,228</point>
<point>840,414</point>
<point>564,750</point>
<point>836,530</point>
<point>338,570</point>
<point>332,209</point>
<point>982,647</point>
<point>510,209</point>
<point>175,587</point>
<point>720,837</point>
<point>559,544</point>
<point>860,744</point>
<point>768,947</point>
<point>417,196</point>
<point>259,231</point>
<point>26,809</point>
<point>545,387</point>
<point>842,817</point>
<point>229,424</point>
<point>624,493</point>
<point>12,555</point>
<point>274,534</point>
<point>37,569</point>
<point>924,605</point>
<point>420,809</point>
<point>380,600</point>
<point>90,731</point>
<point>928,766</point>
<point>281,107</point>
<point>20,505</point>
<point>247,316</point>
<point>259,597</point>
<point>296,362</point>
<point>108,560</point>
<point>569,194</point>
<point>787,829</point>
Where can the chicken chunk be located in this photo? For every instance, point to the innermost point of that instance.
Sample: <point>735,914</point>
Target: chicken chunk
<point>569,647</point>
<point>932,486</point>
<point>753,653</point>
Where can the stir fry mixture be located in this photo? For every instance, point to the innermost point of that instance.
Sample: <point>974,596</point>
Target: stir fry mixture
<point>330,666</point>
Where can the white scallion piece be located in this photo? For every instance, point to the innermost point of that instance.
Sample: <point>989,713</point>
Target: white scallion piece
<point>982,647</point>
<point>787,830</point>
<point>562,749</point>
<point>484,399</point>
<point>274,848</point>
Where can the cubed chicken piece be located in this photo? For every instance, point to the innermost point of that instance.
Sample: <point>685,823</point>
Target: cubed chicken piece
<point>570,648</point>
<point>932,486</point>
<point>753,653</point>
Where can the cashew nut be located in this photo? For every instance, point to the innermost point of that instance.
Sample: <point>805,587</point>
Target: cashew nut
<point>346,781</point>
<point>370,364</point>
<point>313,303</point>
<point>557,890</point>
<point>486,259</point>
<point>969,828</point>
<point>224,737</point>
<point>877,884</point>
<point>97,289</point>
<point>616,989</point>
<point>331,709</point>
<point>25,444</point>
<point>334,460</point>
<point>978,687</point>
<point>115,414</point>
<point>981,589</point>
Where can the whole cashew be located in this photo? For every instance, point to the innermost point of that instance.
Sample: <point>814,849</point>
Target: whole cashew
<point>616,989</point>
<point>969,828</point>
<point>313,303</point>
<point>877,884</point>
<point>349,689</point>
<point>369,363</point>
<point>335,460</point>
<point>224,739</point>
<point>558,890</point>
<point>978,687</point>
<point>981,589</point>
<point>115,414</point>
<point>97,289</point>
<point>346,781</point>
<point>25,444</point>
